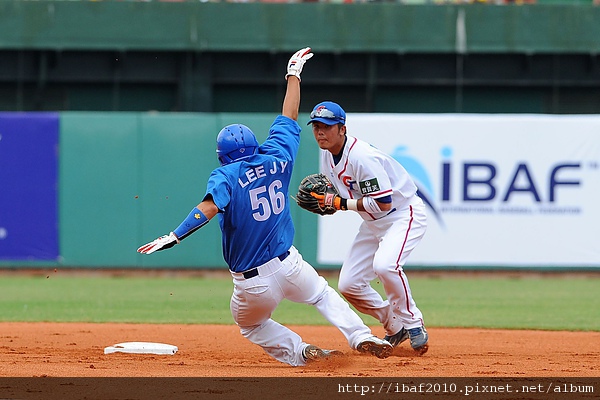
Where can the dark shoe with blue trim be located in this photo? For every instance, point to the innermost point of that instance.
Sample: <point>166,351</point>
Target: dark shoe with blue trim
<point>398,338</point>
<point>418,339</point>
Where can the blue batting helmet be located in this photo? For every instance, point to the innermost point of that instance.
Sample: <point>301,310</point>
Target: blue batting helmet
<point>235,142</point>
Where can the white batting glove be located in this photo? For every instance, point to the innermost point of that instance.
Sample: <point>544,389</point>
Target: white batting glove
<point>297,61</point>
<point>162,243</point>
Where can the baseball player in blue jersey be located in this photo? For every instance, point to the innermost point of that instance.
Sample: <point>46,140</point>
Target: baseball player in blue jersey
<point>249,194</point>
<point>379,189</point>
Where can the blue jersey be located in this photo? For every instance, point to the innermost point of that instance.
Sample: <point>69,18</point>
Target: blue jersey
<point>252,196</point>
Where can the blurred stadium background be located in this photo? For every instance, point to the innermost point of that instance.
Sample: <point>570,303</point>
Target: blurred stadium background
<point>109,109</point>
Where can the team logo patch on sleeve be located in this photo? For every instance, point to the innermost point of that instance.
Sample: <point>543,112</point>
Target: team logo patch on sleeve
<point>368,187</point>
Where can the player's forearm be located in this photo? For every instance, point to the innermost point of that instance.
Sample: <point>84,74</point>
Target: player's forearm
<point>368,204</point>
<point>196,219</point>
<point>291,102</point>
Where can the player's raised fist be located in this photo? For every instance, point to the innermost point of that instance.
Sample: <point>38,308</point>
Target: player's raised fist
<point>297,61</point>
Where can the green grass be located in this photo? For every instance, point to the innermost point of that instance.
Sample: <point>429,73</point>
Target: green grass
<point>558,303</point>
<point>540,302</point>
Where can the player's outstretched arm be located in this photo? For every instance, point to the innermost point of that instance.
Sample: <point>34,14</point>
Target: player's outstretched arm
<point>196,219</point>
<point>291,102</point>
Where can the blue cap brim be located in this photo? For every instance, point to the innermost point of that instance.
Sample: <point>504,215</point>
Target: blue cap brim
<point>326,121</point>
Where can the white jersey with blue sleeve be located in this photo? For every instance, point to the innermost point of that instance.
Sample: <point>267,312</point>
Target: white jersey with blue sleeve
<point>252,196</point>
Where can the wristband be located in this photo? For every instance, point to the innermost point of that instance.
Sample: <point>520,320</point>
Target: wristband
<point>194,221</point>
<point>348,204</point>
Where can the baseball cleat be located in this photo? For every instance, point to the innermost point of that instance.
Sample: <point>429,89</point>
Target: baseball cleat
<point>378,347</point>
<point>398,338</point>
<point>314,353</point>
<point>418,339</point>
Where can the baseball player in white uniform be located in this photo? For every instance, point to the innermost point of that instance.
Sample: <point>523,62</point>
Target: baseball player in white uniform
<point>249,195</point>
<point>376,186</point>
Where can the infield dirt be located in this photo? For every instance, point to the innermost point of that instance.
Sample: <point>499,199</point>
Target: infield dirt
<point>77,350</point>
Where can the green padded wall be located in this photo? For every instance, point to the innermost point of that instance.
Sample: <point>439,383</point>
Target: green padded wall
<point>97,184</point>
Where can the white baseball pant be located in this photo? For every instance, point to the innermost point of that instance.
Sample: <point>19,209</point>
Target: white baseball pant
<point>254,300</point>
<point>380,250</point>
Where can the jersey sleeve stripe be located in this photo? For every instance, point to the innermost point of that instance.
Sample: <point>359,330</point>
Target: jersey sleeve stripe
<point>381,194</point>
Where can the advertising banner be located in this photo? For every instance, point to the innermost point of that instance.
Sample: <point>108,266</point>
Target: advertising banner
<point>501,190</point>
<point>29,186</point>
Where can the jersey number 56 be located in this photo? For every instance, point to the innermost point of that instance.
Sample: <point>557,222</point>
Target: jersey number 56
<point>267,202</point>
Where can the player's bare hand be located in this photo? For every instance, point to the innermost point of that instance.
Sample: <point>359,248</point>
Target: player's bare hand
<point>161,243</point>
<point>296,62</point>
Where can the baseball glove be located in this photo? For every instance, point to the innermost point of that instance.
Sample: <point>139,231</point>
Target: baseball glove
<point>320,185</point>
